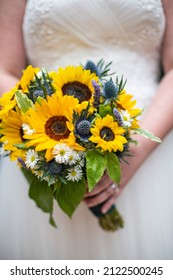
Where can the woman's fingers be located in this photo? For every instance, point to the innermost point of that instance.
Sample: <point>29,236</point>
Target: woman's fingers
<point>108,203</point>
<point>94,200</point>
<point>104,192</point>
<point>103,184</point>
<point>111,200</point>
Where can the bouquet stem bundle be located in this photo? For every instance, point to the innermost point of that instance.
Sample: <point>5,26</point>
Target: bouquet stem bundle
<point>110,221</point>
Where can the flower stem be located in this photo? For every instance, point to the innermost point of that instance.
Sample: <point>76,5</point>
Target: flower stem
<point>110,221</point>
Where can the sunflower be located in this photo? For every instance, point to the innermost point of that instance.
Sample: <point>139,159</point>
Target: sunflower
<point>125,103</point>
<point>75,81</point>
<point>108,135</point>
<point>11,129</point>
<point>7,102</point>
<point>52,123</point>
<point>27,77</point>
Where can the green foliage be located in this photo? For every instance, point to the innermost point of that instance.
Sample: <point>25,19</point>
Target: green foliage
<point>112,220</point>
<point>113,167</point>
<point>56,187</point>
<point>121,84</point>
<point>28,175</point>
<point>40,193</point>
<point>70,195</point>
<point>105,110</point>
<point>39,100</point>
<point>147,134</point>
<point>23,101</point>
<point>21,146</point>
<point>95,167</point>
<point>103,69</point>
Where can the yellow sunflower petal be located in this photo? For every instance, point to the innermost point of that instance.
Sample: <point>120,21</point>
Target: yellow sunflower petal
<point>27,77</point>
<point>52,121</point>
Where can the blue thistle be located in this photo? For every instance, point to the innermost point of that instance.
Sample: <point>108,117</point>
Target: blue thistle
<point>54,168</point>
<point>118,117</point>
<point>110,91</point>
<point>40,87</point>
<point>90,65</point>
<point>83,129</point>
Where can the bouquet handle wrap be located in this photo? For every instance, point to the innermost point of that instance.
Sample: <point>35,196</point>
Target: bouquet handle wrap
<point>110,221</point>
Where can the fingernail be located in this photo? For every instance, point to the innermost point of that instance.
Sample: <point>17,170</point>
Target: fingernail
<point>104,210</point>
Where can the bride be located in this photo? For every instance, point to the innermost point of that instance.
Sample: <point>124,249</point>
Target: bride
<point>137,36</point>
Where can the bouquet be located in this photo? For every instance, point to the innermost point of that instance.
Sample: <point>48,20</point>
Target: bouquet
<point>65,128</point>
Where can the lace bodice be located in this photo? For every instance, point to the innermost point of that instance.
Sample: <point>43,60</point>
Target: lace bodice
<point>129,33</point>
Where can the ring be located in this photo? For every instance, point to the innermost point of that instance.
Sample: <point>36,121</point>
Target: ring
<point>113,186</point>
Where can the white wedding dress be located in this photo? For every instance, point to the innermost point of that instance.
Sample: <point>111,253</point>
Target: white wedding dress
<point>128,33</point>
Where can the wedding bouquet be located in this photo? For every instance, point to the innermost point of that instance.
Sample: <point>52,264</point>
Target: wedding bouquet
<point>66,128</point>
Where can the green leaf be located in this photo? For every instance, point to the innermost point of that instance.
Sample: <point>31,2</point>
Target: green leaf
<point>70,195</point>
<point>105,110</point>
<point>39,100</point>
<point>57,186</point>
<point>28,175</point>
<point>21,146</point>
<point>147,134</point>
<point>95,166</point>
<point>113,167</point>
<point>52,222</point>
<point>23,101</point>
<point>40,193</point>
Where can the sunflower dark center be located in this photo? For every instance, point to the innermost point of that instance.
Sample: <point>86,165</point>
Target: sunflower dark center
<point>59,128</point>
<point>107,134</point>
<point>78,90</point>
<point>56,128</point>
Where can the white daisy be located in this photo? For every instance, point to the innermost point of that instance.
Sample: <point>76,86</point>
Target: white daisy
<point>27,129</point>
<point>74,174</point>
<point>38,173</point>
<point>47,178</point>
<point>62,153</point>
<point>81,162</point>
<point>31,158</point>
<point>126,118</point>
<point>74,157</point>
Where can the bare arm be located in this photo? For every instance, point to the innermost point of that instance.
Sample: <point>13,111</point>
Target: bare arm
<point>12,54</point>
<point>158,119</point>
<point>159,116</point>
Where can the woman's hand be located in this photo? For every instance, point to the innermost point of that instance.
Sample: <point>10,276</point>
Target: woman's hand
<point>103,191</point>
<point>106,190</point>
